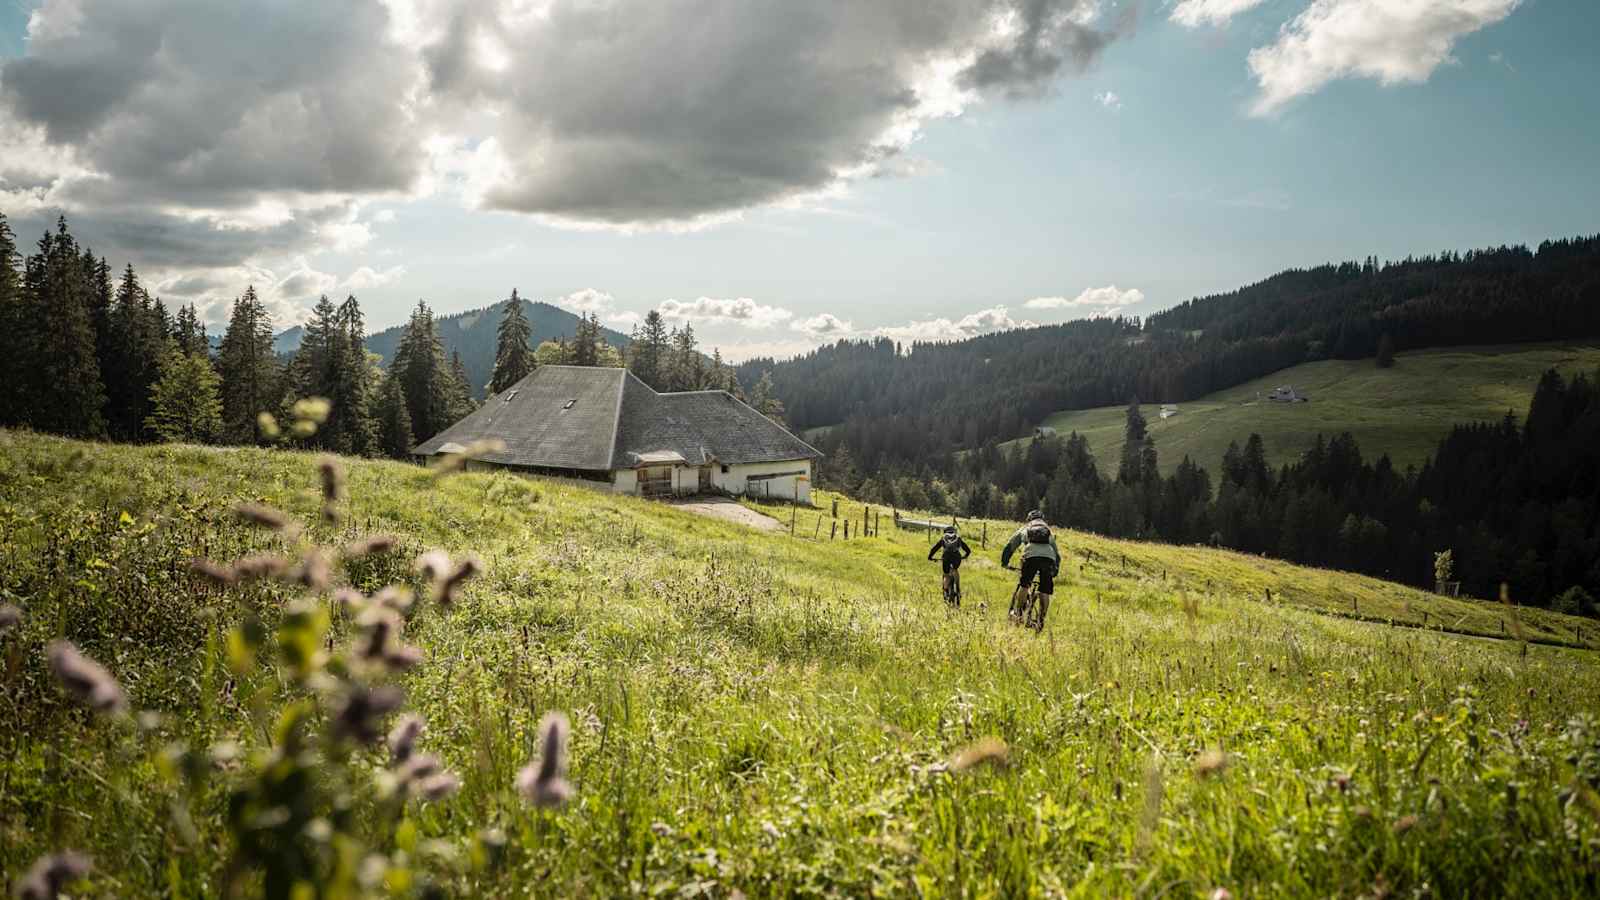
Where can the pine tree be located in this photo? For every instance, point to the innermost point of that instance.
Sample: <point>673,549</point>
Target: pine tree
<point>395,438</point>
<point>189,334</point>
<point>765,401</point>
<point>420,368</point>
<point>688,372</point>
<point>583,343</point>
<point>60,367</point>
<point>137,342</point>
<point>249,370</point>
<point>1385,358</point>
<point>513,358</point>
<point>186,402</point>
<point>310,370</point>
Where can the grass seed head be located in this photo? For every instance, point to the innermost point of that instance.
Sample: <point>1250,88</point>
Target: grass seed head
<point>362,711</point>
<point>434,565</point>
<point>50,874</point>
<point>419,767</point>
<point>370,546</point>
<point>1405,823</point>
<point>403,738</point>
<point>217,572</point>
<point>264,516</point>
<point>261,566</point>
<point>543,782</point>
<point>314,571</point>
<point>450,588</point>
<point>437,787</point>
<point>1211,763</point>
<point>10,617</point>
<point>984,751</point>
<point>86,679</point>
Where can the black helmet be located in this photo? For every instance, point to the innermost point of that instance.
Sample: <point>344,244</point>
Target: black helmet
<point>950,530</point>
<point>1035,514</point>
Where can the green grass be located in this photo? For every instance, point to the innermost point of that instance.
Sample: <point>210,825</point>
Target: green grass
<point>1403,411</point>
<point>773,714</point>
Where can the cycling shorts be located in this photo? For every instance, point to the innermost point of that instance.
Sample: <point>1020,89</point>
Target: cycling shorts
<point>1043,568</point>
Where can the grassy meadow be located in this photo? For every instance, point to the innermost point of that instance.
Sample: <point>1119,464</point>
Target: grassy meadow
<point>773,714</point>
<point>1403,411</point>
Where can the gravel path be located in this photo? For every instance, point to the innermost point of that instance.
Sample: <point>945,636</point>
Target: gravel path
<point>729,511</point>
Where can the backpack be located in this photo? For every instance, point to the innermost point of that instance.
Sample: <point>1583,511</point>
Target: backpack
<point>1038,532</point>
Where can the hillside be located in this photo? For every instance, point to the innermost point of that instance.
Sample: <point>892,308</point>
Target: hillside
<point>775,715</point>
<point>1403,411</point>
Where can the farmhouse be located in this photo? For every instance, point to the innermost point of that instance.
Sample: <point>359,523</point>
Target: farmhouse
<point>605,425</point>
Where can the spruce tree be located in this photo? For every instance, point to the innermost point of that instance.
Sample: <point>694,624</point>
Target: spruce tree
<point>393,419</point>
<point>186,403</point>
<point>350,425</point>
<point>765,400</point>
<point>60,367</point>
<point>583,343</point>
<point>137,341</point>
<point>188,333</point>
<point>688,366</point>
<point>513,358</point>
<point>11,312</point>
<point>420,368</point>
<point>648,352</point>
<point>249,370</point>
<point>459,389</point>
<point>1131,468</point>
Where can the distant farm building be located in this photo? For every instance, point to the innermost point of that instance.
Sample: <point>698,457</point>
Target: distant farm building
<point>1168,410</point>
<point>1044,431</point>
<point>605,425</point>
<point>1286,394</point>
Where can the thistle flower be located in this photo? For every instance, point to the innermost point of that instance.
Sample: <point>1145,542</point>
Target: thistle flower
<point>10,617</point>
<point>988,750</point>
<point>314,571</point>
<point>401,657</point>
<point>332,475</point>
<point>363,710</point>
<point>437,787</point>
<point>264,516</point>
<point>419,767</point>
<point>433,565</point>
<point>86,679</point>
<point>403,739</point>
<point>380,625</point>
<point>400,599</point>
<point>1211,763</point>
<point>369,546</point>
<point>543,783</point>
<point>217,572</point>
<point>50,874</point>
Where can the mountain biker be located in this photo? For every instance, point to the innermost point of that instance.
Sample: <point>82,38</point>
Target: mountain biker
<point>1041,559</point>
<point>955,550</point>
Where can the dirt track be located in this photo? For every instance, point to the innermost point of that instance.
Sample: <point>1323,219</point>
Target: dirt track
<point>729,511</point>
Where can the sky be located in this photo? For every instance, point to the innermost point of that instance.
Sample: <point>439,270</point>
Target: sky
<point>781,174</point>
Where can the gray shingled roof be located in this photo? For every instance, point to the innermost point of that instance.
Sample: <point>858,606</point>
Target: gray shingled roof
<point>614,419</point>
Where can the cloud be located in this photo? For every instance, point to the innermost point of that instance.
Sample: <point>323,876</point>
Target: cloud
<point>984,321</point>
<point>367,277</point>
<point>1109,100</point>
<point>1194,13</point>
<point>1101,299</point>
<point>741,311</point>
<point>825,325</point>
<point>1392,41</point>
<point>674,111</point>
<point>288,296</point>
<point>587,300</point>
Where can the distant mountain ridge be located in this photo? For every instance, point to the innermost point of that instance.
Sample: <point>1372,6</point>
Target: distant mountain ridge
<point>473,334</point>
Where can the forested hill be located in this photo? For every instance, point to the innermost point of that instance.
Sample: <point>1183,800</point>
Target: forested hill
<point>914,404</point>
<point>470,333</point>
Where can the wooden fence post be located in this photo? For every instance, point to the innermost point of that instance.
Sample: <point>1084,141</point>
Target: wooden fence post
<point>794,511</point>
<point>818,533</point>
<point>984,543</point>
<point>847,529</point>
<point>836,507</point>
<point>833,530</point>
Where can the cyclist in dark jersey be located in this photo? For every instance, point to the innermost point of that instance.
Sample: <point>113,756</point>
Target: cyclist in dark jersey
<point>1041,560</point>
<point>955,550</point>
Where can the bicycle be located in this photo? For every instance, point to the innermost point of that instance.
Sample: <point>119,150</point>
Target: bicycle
<point>952,587</point>
<point>1033,610</point>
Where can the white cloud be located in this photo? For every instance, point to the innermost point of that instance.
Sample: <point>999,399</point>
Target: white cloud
<point>741,310</point>
<point>1109,100</point>
<point>1194,13</point>
<point>367,277</point>
<point>1102,299</point>
<point>984,321</point>
<point>1392,41</point>
<point>742,351</point>
<point>587,300</point>
<point>825,325</point>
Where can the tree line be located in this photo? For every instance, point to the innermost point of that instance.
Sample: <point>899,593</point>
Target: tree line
<point>86,353</point>
<point>914,406</point>
<point>1512,503</point>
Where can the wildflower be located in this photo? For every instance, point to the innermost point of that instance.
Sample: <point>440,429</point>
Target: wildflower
<point>401,657</point>
<point>86,679</point>
<point>370,546</point>
<point>265,516</point>
<point>1342,782</point>
<point>1405,823</point>
<point>312,409</point>
<point>1211,763</point>
<point>314,571</point>
<point>10,617</point>
<point>433,565</point>
<point>544,783</point>
<point>332,479</point>
<point>399,599</point>
<point>52,873</point>
<point>403,739</point>
<point>268,426</point>
<point>419,767</point>
<point>362,709</point>
<point>350,599</point>
<point>1221,894</point>
<point>990,750</point>
<point>437,787</point>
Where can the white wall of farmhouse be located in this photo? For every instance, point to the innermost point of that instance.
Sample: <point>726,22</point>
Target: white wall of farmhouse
<point>788,480</point>
<point>626,481</point>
